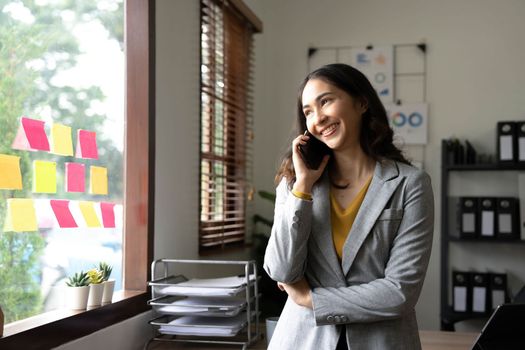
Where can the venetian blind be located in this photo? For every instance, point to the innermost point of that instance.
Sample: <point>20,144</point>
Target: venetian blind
<point>226,123</point>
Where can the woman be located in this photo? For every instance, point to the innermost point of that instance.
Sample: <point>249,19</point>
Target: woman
<point>351,240</point>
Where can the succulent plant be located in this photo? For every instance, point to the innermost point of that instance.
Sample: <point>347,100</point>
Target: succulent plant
<point>79,279</point>
<point>95,276</point>
<point>105,269</point>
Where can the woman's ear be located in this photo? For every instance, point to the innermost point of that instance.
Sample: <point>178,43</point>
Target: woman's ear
<point>362,105</point>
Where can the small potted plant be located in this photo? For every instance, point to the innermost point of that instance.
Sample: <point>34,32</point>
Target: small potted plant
<point>78,291</point>
<point>109,284</point>
<point>96,288</point>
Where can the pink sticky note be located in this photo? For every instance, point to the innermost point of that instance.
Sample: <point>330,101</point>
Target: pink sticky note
<point>31,135</point>
<point>62,213</point>
<point>75,177</point>
<point>108,215</point>
<point>86,144</point>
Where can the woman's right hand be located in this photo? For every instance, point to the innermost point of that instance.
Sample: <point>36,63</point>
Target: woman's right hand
<point>304,176</point>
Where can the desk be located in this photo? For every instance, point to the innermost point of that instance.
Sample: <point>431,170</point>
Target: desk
<point>430,340</point>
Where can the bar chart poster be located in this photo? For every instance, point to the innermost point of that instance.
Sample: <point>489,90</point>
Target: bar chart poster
<point>377,63</point>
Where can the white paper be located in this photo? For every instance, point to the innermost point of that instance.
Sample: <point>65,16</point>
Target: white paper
<point>198,325</point>
<point>204,291</point>
<point>521,147</point>
<point>505,147</point>
<point>468,222</point>
<point>460,299</point>
<point>479,298</point>
<point>498,298</point>
<point>223,286</point>
<point>221,282</point>
<point>504,223</point>
<point>487,223</point>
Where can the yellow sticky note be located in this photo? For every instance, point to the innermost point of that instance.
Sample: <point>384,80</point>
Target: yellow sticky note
<point>98,180</point>
<point>21,216</point>
<point>89,214</point>
<point>61,140</point>
<point>44,176</point>
<point>10,175</point>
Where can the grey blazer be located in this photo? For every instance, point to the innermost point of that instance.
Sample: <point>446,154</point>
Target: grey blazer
<point>374,290</point>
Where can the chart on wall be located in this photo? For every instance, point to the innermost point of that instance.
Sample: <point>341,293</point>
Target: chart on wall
<point>409,122</point>
<point>377,64</point>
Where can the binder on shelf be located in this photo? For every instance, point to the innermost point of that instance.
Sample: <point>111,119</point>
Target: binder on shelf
<point>508,218</point>
<point>520,131</point>
<point>498,289</point>
<point>468,223</point>
<point>487,217</point>
<point>480,285</point>
<point>461,291</point>
<point>506,144</point>
<point>521,199</point>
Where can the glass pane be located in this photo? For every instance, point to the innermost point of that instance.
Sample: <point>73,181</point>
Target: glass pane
<point>62,80</point>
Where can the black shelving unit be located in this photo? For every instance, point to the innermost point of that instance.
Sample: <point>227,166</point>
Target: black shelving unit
<point>448,316</point>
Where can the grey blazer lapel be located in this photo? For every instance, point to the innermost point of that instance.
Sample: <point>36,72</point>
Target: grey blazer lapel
<point>322,229</point>
<point>383,185</point>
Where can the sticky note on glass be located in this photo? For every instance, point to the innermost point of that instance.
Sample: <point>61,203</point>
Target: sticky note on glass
<point>108,214</point>
<point>31,135</point>
<point>86,144</point>
<point>61,142</point>
<point>44,176</point>
<point>21,216</point>
<point>75,177</point>
<point>10,175</point>
<point>98,180</point>
<point>62,213</point>
<point>88,212</point>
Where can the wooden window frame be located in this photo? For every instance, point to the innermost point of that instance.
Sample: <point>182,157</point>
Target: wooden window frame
<point>225,191</point>
<point>54,330</point>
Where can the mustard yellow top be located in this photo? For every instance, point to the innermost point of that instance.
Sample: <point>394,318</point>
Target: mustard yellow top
<point>342,219</point>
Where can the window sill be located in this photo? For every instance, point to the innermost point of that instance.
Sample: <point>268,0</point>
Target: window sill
<point>58,327</point>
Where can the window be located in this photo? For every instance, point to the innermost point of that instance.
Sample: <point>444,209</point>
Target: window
<point>227,29</point>
<point>39,47</point>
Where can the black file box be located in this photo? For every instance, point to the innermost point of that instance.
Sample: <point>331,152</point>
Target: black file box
<point>480,286</point>
<point>497,290</point>
<point>487,217</point>
<point>468,218</point>
<point>461,291</point>
<point>508,218</point>
<point>520,131</point>
<point>506,142</point>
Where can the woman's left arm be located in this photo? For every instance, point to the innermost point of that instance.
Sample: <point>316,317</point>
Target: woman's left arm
<point>398,291</point>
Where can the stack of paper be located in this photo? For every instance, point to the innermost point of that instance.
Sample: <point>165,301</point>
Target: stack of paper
<point>223,286</point>
<point>204,305</point>
<point>205,326</point>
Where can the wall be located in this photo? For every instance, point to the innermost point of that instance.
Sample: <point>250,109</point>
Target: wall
<point>475,78</point>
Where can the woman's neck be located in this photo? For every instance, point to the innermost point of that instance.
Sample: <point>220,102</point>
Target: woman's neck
<point>351,167</point>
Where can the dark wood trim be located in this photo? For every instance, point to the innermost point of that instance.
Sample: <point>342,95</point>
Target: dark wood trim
<point>139,194</point>
<point>139,160</point>
<point>68,329</point>
<point>240,6</point>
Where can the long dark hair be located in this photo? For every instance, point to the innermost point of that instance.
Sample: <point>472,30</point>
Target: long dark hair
<point>376,136</point>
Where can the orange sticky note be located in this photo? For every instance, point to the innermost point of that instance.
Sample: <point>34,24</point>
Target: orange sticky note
<point>10,175</point>
<point>44,176</point>
<point>21,216</point>
<point>98,180</point>
<point>61,142</point>
<point>31,135</point>
<point>88,212</point>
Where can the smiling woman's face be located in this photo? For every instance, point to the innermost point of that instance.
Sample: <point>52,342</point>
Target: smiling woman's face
<point>332,115</point>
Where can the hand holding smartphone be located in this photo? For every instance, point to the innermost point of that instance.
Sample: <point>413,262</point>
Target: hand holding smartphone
<point>313,151</point>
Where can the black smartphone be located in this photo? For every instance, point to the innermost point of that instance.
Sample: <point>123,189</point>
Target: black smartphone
<point>313,151</point>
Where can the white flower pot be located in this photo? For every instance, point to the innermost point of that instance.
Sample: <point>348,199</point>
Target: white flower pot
<point>95,295</point>
<point>109,286</point>
<point>77,297</point>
